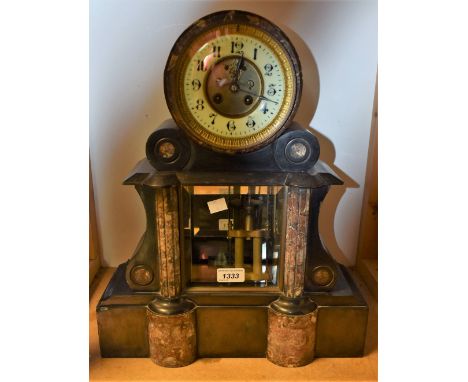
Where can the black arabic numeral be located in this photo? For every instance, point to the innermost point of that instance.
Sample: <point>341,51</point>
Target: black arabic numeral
<point>216,51</point>
<point>236,47</point>
<point>213,117</point>
<point>255,53</point>
<point>196,84</point>
<point>268,68</point>
<point>271,90</point>
<point>200,104</point>
<point>250,122</point>
<point>231,125</point>
<point>201,65</point>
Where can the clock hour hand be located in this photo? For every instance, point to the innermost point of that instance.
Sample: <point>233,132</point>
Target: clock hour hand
<point>235,77</point>
<point>257,95</point>
<point>238,72</point>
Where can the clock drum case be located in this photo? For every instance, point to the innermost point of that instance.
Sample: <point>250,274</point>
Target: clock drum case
<point>231,263</point>
<point>233,81</point>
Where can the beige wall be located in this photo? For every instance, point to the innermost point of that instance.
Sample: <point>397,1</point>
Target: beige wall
<point>129,44</point>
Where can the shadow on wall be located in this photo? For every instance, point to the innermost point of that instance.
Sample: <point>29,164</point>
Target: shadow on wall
<point>121,216</point>
<point>138,128</point>
<point>305,114</point>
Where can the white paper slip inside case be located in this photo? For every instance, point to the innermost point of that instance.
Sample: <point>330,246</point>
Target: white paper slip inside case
<point>217,205</point>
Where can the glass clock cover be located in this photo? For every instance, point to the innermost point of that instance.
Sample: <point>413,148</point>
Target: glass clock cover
<point>233,227</point>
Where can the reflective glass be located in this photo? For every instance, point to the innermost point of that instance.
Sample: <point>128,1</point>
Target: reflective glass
<point>232,234</point>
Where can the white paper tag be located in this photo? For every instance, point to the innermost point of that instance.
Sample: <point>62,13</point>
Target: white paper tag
<point>230,275</point>
<point>223,224</point>
<point>217,205</point>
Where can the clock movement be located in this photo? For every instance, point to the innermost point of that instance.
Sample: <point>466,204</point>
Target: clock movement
<point>231,263</point>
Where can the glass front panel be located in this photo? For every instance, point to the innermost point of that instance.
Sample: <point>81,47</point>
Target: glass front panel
<point>232,235</point>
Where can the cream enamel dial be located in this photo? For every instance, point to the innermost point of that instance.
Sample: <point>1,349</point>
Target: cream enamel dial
<point>235,95</point>
<point>233,86</point>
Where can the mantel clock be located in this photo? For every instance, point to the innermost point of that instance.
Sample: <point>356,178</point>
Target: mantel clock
<point>231,263</point>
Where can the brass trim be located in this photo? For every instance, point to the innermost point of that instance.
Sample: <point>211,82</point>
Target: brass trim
<point>329,271</point>
<point>273,289</point>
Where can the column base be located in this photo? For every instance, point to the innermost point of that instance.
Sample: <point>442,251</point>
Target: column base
<point>172,334</point>
<point>291,331</point>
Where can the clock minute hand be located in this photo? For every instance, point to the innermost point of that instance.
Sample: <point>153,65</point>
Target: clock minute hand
<point>257,95</point>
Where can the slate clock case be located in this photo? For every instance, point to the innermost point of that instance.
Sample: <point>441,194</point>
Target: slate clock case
<point>231,263</point>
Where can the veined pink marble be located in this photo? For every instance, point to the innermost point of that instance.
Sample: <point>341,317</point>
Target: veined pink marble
<point>291,339</point>
<point>167,234</point>
<point>296,240</point>
<point>172,339</point>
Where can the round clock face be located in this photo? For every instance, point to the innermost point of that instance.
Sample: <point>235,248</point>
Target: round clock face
<point>233,81</point>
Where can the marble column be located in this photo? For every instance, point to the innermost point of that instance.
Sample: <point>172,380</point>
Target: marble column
<point>292,318</point>
<point>171,320</point>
